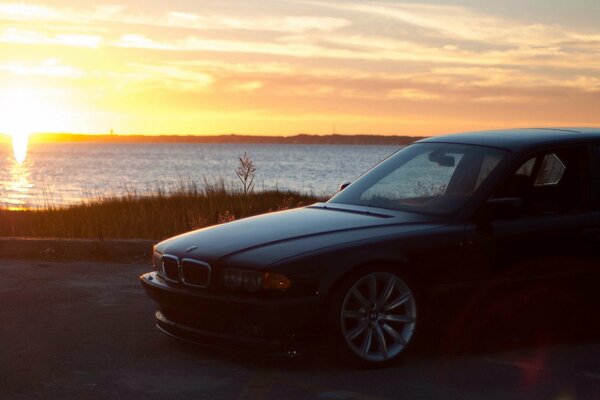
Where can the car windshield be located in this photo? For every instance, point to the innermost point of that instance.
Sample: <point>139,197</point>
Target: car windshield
<point>436,178</point>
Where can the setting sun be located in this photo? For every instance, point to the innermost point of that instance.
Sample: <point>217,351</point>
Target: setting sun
<point>16,120</point>
<point>19,142</point>
<point>24,110</point>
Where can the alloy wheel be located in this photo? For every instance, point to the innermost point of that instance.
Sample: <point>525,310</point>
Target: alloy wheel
<point>378,316</point>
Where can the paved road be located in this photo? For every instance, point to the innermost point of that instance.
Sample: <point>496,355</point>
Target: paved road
<point>85,331</point>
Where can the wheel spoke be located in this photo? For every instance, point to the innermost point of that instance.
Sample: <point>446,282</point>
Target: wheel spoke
<point>373,288</point>
<point>353,314</point>
<point>398,318</point>
<point>361,299</point>
<point>389,288</point>
<point>381,342</point>
<point>357,330</point>
<point>398,302</point>
<point>395,334</point>
<point>366,344</point>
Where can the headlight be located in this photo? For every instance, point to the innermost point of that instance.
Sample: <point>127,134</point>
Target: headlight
<point>253,281</point>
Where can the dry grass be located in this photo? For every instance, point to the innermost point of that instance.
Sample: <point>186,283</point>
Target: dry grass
<point>155,215</point>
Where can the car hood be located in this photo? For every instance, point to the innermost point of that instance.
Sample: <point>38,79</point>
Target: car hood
<point>312,224</point>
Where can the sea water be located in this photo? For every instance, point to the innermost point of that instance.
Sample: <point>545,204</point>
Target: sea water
<point>65,173</point>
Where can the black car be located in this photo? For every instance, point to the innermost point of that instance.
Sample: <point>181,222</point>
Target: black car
<point>443,218</point>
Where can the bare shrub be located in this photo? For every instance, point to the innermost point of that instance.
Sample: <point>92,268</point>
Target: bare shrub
<point>246,172</point>
<point>429,189</point>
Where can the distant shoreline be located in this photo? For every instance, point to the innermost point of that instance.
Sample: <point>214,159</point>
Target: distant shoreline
<point>231,138</point>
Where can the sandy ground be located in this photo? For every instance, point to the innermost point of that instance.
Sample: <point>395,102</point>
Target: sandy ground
<point>84,330</point>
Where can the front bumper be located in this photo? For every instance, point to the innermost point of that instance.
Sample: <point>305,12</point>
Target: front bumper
<point>277,324</point>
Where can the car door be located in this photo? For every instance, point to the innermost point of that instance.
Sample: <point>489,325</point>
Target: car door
<point>553,238</point>
<point>539,264</point>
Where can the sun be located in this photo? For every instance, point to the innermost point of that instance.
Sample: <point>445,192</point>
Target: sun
<point>23,111</point>
<point>20,141</point>
<point>16,118</point>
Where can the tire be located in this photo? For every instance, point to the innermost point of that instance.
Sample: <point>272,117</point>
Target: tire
<point>372,317</point>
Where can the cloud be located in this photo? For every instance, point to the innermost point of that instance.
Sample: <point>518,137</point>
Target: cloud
<point>463,33</point>
<point>390,58</point>
<point>444,34</point>
<point>412,94</point>
<point>247,86</point>
<point>27,12</point>
<point>139,41</point>
<point>454,22</point>
<point>29,36</point>
<point>128,16</point>
<point>78,40</point>
<point>50,67</point>
<point>507,99</point>
<point>166,76</point>
<point>290,24</point>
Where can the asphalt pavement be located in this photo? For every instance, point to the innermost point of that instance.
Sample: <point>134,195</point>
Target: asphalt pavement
<point>84,330</point>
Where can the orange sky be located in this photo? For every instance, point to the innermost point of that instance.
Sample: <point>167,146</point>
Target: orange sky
<point>285,67</point>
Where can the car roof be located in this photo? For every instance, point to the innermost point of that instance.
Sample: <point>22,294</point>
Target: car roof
<point>520,139</point>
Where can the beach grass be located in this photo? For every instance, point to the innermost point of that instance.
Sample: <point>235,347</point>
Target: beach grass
<point>156,215</point>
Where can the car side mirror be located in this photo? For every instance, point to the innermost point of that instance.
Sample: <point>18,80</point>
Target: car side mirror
<point>443,160</point>
<point>502,208</point>
<point>344,185</point>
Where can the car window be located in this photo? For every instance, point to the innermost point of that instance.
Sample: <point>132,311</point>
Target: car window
<point>436,178</point>
<point>551,171</point>
<point>527,167</point>
<point>409,182</point>
<point>548,183</point>
<point>489,162</point>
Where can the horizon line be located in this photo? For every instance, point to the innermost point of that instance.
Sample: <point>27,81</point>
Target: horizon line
<point>300,138</point>
<point>215,134</point>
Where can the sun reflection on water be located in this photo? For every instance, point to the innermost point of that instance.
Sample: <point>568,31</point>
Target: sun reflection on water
<point>18,188</point>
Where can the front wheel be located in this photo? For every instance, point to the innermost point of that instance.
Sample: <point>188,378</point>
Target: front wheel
<point>373,316</point>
